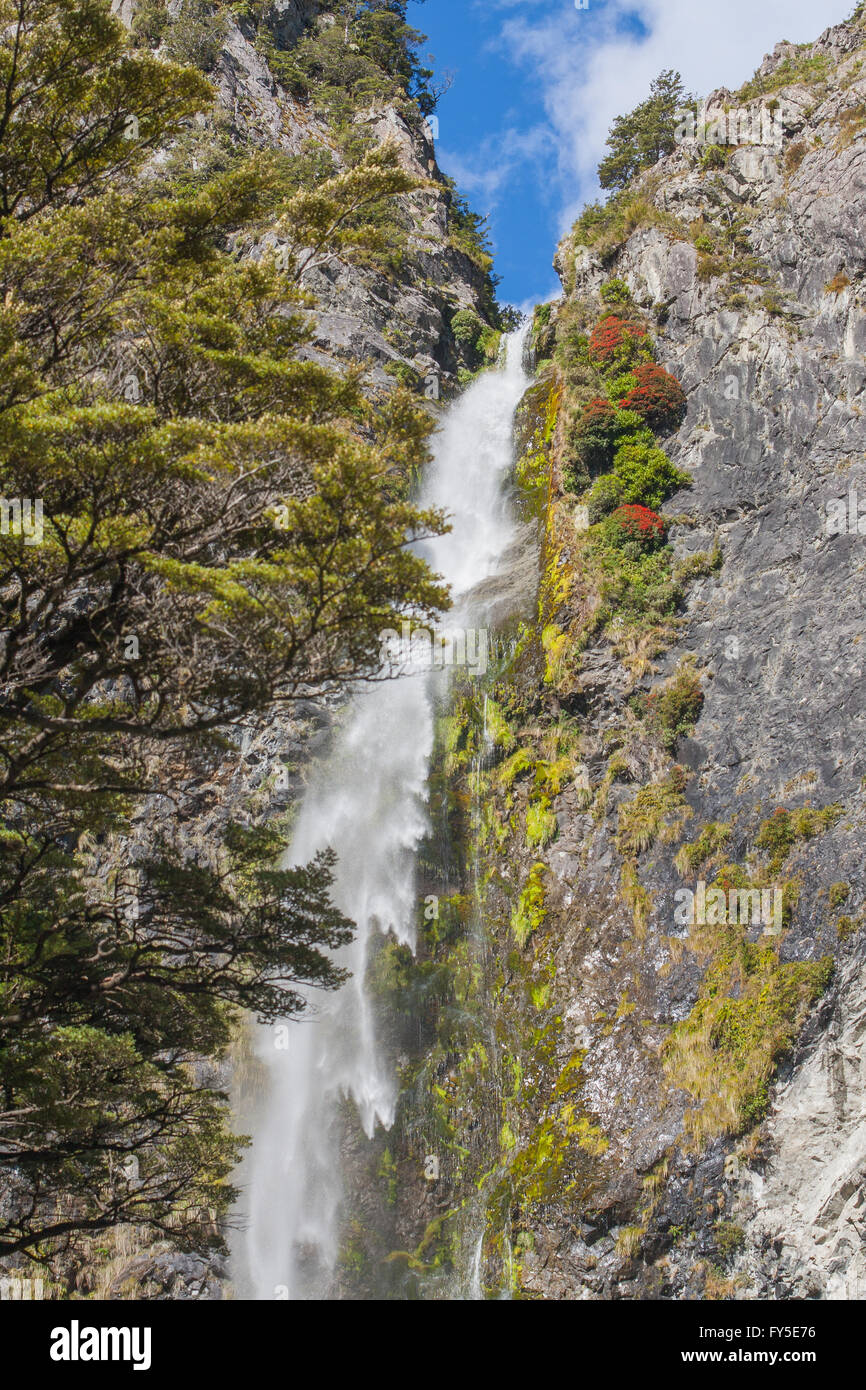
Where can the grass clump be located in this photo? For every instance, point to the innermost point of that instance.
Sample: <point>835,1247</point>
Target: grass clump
<point>749,1010</point>
<point>657,812</point>
<point>673,710</point>
<point>705,850</point>
<point>839,894</point>
<point>801,68</point>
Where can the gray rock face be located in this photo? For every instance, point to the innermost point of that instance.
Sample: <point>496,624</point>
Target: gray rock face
<point>774,441</point>
<point>805,1215</point>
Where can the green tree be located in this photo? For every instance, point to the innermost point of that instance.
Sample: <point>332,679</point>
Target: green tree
<point>639,139</point>
<point>225,530</point>
<point>369,51</point>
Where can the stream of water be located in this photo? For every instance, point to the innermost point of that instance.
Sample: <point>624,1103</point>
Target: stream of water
<point>367,800</point>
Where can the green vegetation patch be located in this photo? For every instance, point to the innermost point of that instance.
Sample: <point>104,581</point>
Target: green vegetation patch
<point>749,1010</point>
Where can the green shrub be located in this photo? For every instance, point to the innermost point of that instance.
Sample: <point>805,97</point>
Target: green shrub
<point>674,709</point>
<point>714,157</point>
<point>646,473</point>
<point>616,292</point>
<point>658,397</point>
<point>729,1238</point>
<point>592,436</point>
<point>402,372</point>
<point>638,528</point>
<point>605,495</point>
<point>635,587</point>
<point>466,327</point>
<point>149,24</point>
<point>618,342</point>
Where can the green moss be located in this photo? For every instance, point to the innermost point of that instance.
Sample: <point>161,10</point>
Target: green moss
<point>531,908</point>
<point>387,1171</point>
<point>551,1162</point>
<point>552,774</point>
<point>519,762</point>
<point>540,995</point>
<point>353,1256</point>
<point>541,823</point>
<point>498,728</point>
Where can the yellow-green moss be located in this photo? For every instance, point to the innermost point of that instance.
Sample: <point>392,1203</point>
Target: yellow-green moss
<point>530,911</point>
<point>541,823</point>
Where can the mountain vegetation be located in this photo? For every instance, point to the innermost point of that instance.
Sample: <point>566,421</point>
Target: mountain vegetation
<point>223,529</point>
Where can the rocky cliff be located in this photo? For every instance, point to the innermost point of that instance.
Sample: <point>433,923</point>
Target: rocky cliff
<point>610,1096</point>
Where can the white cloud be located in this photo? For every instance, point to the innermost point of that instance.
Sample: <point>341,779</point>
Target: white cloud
<point>589,68</point>
<point>485,173</point>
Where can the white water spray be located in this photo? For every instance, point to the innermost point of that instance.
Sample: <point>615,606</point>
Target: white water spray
<point>368,802</point>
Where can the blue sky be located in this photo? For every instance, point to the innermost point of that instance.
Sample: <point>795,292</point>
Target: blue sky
<point>536,84</point>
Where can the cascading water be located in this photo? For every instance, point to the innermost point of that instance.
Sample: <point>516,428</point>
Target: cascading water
<point>367,801</point>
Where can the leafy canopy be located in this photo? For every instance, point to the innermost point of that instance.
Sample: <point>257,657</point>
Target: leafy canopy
<point>224,531</point>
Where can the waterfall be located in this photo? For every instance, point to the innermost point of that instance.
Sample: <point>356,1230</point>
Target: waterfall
<point>368,801</point>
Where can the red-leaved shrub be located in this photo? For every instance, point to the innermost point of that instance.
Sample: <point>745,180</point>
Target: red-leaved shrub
<point>599,413</point>
<point>635,523</point>
<point>612,333</point>
<point>658,397</point>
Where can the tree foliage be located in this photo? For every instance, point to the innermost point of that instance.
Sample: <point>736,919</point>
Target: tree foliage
<point>368,50</point>
<point>640,139</point>
<point>223,531</point>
